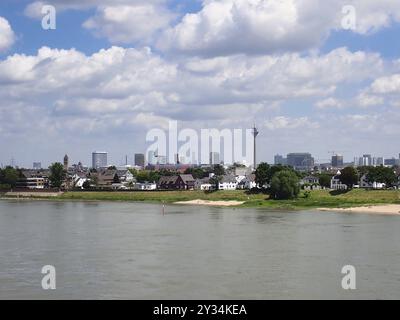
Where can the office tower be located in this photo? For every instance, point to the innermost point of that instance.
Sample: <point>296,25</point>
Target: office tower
<point>37,165</point>
<point>139,159</point>
<point>99,159</point>
<point>279,160</point>
<point>300,161</point>
<point>152,158</point>
<point>337,161</point>
<point>214,158</point>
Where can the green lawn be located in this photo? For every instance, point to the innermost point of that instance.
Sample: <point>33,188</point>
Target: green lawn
<point>316,199</point>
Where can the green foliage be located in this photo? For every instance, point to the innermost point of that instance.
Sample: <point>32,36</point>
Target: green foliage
<point>285,185</point>
<point>147,176</point>
<point>57,175</point>
<point>133,171</point>
<point>262,174</point>
<point>381,175</point>
<point>325,180</point>
<point>349,177</point>
<point>197,173</point>
<point>86,185</point>
<point>215,180</point>
<point>219,170</point>
<point>9,176</point>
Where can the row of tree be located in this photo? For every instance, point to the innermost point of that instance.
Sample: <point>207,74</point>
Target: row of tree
<point>351,176</point>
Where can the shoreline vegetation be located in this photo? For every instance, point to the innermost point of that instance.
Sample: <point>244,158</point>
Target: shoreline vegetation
<point>356,200</point>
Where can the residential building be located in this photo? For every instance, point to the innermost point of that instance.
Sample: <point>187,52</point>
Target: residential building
<point>248,183</point>
<point>364,183</point>
<point>336,184</point>
<point>33,179</point>
<point>139,160</point>
<point>228,182</point>
<point>203,184</point>
<point>177,182</point>
<point>99,159</point>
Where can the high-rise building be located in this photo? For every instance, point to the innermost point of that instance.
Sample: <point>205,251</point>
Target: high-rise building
<point>37,165</point>
<point>300,161</point>
<point>390,162</point>
<point>214,158</point>
<point>280,160</point>
<point>152,158</point>
<point>139,159</point>
<point>99,159</point>
<point>337,161</point>
<point>367,160</point>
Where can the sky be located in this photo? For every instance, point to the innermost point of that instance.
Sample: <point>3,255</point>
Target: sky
<point>315,76</point>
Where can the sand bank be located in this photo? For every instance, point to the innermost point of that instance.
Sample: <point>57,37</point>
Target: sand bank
<point>391,209</point>
<point>33,194</point>
<point>211,203</point>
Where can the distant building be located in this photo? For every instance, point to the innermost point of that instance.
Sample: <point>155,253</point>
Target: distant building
<point>99,159</point>
<point>390,162</point>
<point>300,161</point>
<point>337,161</point>
<point>66,160</point>
<point>139,160</point>
<point>152,158</point>
<point>214,158</point>
<point>37,165</point>
<point>280,160</point>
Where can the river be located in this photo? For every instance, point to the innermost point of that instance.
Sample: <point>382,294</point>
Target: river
<point>120,250</point>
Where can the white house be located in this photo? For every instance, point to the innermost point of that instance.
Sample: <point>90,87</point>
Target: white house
<point>370,185</point>
<point>145,186</point>
<point>203,184</point>
<point>336,184</point>
<point>228,183</point>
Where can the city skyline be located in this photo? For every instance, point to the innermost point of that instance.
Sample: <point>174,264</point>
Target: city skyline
<point>309,88</point>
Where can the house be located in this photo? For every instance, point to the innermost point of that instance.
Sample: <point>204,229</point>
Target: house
<point>336,184</point>
<point>145,186</point>
<point>177,182</point>
<point>203,184</point>
<point>125,176</point>
<point>228,182</point>
<point>311,180</point>
<point>78,179</point>
<point>364,183</point>
<point>105,178</point>
<point>33,179</point>
<point>248,183</point>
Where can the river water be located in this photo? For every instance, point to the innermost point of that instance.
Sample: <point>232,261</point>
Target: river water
<point>116,250</point>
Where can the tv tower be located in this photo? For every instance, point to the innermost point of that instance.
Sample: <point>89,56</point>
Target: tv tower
<point>255,134</point>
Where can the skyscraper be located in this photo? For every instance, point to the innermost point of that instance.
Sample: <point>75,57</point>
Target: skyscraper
<point>152,158</point>
<point>300,161</point>
<point>139,159</point>
<point>214,158</point>
<point>337,161</point>
<point>99,159</point>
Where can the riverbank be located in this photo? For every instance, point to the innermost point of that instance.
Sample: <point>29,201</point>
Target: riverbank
<point>314,200</point>
<point>390,209</point>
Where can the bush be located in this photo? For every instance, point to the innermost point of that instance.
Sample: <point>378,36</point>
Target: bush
<point>285,185</point>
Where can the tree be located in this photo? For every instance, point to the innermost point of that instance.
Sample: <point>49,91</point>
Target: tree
<point>285,185</point>
<point>349,177</point>
<point>262,174</point>
<point>9,176</point>
<point>215,180</point>
<point>381,174</point>
<point>86,185</point>
<point>219,170</point>
<point>325,180</point>
<point>57,175</point>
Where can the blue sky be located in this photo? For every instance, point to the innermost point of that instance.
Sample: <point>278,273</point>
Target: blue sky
<point>309,84</point>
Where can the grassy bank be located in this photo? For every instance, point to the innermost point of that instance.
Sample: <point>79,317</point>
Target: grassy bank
<point>316,199</point>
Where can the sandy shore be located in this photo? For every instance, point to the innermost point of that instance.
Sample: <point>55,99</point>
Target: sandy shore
<point>26,194</point>
<point>211,203</point>
<point>391,209</point>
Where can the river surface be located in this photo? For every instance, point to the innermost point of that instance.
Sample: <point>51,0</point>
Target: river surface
<point>113,250</point>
